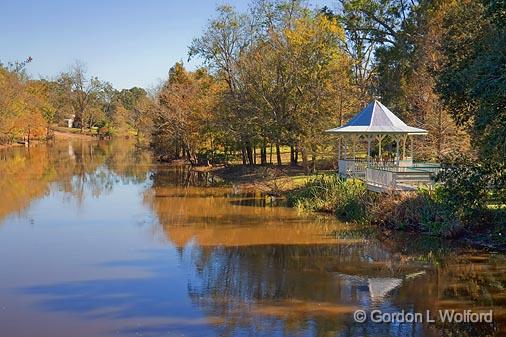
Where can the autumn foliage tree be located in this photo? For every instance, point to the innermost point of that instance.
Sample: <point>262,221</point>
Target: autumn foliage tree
<point>183,121</point>
<point>25,105</point>
<point>285,75</point>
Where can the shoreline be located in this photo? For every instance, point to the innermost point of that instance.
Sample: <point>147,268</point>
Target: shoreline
<point>71,135</point>
<point>57,134</point>
<point>7,146</point>
<point>280,182</point>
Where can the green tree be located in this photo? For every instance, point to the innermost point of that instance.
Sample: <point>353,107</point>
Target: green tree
<point>472,80</point>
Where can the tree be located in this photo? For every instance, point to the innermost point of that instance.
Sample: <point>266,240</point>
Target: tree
<point>182,123</point>
<point>472,80</point>
<point>134,107</point>
<point>221,46</point>
<point>406,37</point>
<point>24,104</point>
<point>82,95</point>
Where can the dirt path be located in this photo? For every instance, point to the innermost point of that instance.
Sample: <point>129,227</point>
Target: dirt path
<point>68,135</point>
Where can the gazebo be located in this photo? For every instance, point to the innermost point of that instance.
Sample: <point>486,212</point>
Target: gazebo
<point>374,123</point>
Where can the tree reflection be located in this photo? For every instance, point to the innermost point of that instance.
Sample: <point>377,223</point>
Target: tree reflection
<point>27,174</point>
<point>270,272</point>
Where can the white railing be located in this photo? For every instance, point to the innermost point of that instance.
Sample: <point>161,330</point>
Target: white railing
<point>352,167</point>
<point>406,162</point>
<point>380,178</point>
<point>385,175</point>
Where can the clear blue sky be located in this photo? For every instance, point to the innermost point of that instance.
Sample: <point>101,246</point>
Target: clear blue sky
<point>128,43</point>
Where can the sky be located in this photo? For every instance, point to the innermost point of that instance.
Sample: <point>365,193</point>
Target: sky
<point>127,43</point>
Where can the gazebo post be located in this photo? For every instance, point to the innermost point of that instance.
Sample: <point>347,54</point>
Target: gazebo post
<point>369,139</point>
<point>380,138</point>
<point>397,150</point>
<point>345,149</point>
<point>368,149</point>
<point>412,157</point>
<point>339,148</point>
<point>353,140</point>
<point>404,138</point>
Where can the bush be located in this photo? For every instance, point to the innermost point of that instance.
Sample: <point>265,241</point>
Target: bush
<point>469,187</point>
<point>467,193</point>
<point>330,193</point>
<point>423,210</point>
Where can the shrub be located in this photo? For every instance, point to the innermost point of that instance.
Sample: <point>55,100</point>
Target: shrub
<point>469,186</point>
<point>423,210</point>
<point>330,193</point>
<point>467,193</point>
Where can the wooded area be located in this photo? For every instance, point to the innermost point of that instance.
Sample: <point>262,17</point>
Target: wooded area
<point>282,72</point>
<point>29,107</point>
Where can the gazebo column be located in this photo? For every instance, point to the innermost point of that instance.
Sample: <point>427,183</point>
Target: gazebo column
<point>412,157</point>
<point>338,149</point>
<point>397,150</point>
<point>404,138</point>
<point>368,149</point>
<point>345,148</point>
<point>380,138</point>
<point>353,142</point>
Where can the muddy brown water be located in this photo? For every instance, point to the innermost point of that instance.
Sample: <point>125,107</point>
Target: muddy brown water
<point>97,240</point>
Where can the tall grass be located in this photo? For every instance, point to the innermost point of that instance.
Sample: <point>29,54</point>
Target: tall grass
<point>330,193</point>
<point>424,210</point>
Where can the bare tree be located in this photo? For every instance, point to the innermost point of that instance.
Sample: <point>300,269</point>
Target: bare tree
<point>81,94</point>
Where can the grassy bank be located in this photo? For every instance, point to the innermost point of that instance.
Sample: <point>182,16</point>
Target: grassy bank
<point>427,210</point>
<point>270,179</point>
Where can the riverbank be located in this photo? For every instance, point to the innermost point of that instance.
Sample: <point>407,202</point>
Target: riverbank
<point>425,211</point>
<point>58,133</point>
<point>61,132</point>
<point>428,210</point>
<point>271,179</point>
<point>71,135</point>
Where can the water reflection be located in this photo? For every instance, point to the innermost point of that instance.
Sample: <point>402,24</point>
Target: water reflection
<point>206,260</point>
<point>274,272</point>
<point>27,174</point>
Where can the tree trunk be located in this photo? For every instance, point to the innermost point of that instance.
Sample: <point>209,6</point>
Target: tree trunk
<point>249,152</point>
<point>305,163</point>
<point>278,154</point>
<point>313,159</point>
<point>270,159</point>
<point>294,154</point>
<point>263,154</point>
<point>243,152</point>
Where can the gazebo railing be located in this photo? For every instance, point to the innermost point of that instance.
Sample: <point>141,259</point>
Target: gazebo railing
<point>433,168</point>
<point>352,167</point>
<point>389,173</point>
<point>397,177</point>
<point>357,166</point>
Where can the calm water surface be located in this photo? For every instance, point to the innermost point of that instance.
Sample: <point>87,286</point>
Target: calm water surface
<point>96,240</point>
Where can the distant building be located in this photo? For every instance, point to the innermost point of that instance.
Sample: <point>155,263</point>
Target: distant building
<point>69,122</point>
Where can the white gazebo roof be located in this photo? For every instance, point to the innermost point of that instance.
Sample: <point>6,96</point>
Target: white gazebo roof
<point>376,118</point>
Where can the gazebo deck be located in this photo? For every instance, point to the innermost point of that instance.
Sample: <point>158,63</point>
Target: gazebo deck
<point>387,176</point>
<point>376,123</point>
